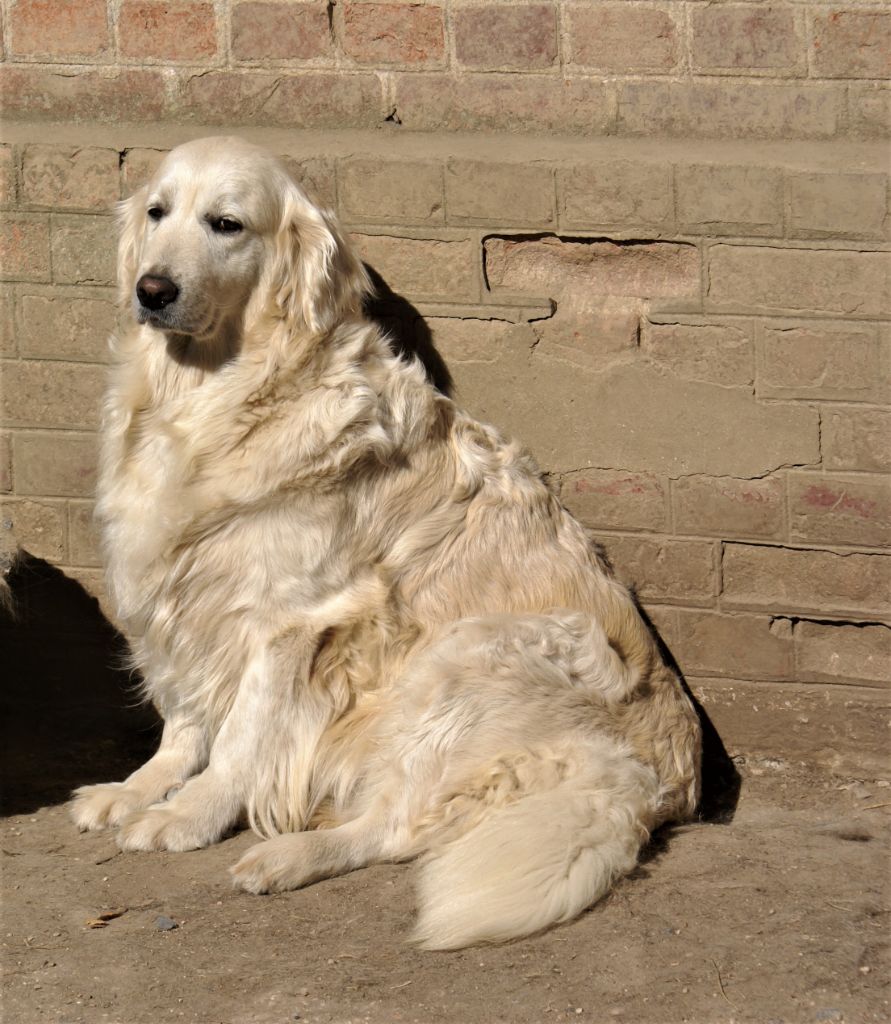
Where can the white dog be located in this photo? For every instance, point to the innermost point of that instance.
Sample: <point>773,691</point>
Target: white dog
<point>370,628</point>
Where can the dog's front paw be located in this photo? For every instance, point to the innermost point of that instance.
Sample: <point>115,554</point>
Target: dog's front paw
<point>274,866</point>
<point>103,805</point>
<point>165,828</point>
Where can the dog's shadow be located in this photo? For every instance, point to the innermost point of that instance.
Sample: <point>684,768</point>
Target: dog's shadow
<point>69,709</point>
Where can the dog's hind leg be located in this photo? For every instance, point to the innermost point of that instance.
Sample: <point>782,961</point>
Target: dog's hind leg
<point>182,752</point>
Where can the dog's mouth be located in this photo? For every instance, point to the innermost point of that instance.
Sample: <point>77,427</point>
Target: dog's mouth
<point>172,321</point>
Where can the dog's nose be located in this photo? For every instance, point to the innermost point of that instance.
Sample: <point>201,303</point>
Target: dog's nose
<point>155,292</point>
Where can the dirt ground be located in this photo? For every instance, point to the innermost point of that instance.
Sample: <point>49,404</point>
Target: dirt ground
<point>774,911</point>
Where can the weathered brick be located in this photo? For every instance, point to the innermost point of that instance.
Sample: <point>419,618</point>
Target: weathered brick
<point>858,439</point>
<point>840,653</point>
<point>40,393</point>
<point>24,247</point>
<point>70,178</point>
<point>8,338</point>
<point>479,341</point>
<point>749,278</point>
<point>586,336</point>
<point>132,95</point>
<point>503,102</point>
<point>665,570</point>
<point>613,499</point>
<point>834,362</point>
<point>552,267</point>
<point>83,537</point>
<point>728,507</point>
<point>138,167</point>
<point>869,110</point>
<point>716,353</point>
<point>59,28</point>
<point>430,267</point>
<point>54,463</point>
<point>746,39</point>
<point>788,580</point>
<point>615,194</point>
<point>482,192</point>
<point>169,30</point>
<point>38,527</point>
<point>495,38</point>
<point>393,33</point>
<point>734,646</point>
<point>66,324</point>
<point>851,44</point>
<point>837,205</point>
<point>5,463</point>
<point>277,31</point>
<point>390,191</point>
<point>316,176</point>
<point>728,109</point>
<point>829,509</point>
<point>622,38</point>
<point>7,176</point>
<point>311,99</point>
<point>84,249</point>
<point>721,199</point>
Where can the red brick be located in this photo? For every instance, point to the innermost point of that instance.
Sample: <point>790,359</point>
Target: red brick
<point>311,99</point>
<point>586,335</point>
<point>745,38</point>
<point>519,103</point>
<point>612,499</point>
<point>834,205</point>
<point>70,178</point>
<point>46,393</point>
<point>391,191</point>
<point>316,176</point>
<point>281,31</point>
<point>852,44</point>
<point>829,652</point>
<point>31,92</point>
<point>393,33</point>
<point>615,194</point>
<point>139,165</point>
<point>167,30</point>
<point>857,439</point>
<point>829,509</point>
<point>622,38</point>
<point>715,353</point>
<point>727,507</point>
<point>552,267</point>
<point>84,249</point>
<point>665,570</point>
<point>731,109</point>
<point>59,28</point>
<point>750,278</point>
<point>516,37</point>
<point>734,646</point>
<point>24,248</point>
<point>66,323</point>
<point>789,580</point>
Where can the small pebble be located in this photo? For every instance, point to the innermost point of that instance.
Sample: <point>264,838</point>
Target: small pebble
<point>165,924</point>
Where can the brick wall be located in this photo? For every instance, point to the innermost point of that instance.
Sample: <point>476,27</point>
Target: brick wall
<point>649,238</point>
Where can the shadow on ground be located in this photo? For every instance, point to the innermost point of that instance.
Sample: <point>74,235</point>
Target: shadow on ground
<point>69,711</point>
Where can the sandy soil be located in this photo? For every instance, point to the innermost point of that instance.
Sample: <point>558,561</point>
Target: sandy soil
<point>774,911</point>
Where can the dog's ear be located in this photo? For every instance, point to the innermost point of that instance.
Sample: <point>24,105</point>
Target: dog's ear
<point>131,224</point>
<point>316,277</point>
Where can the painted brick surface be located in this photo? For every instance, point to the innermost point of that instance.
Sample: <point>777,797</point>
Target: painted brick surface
<point>276,31</point>
<point>623,38</point>
<point>496,37</point>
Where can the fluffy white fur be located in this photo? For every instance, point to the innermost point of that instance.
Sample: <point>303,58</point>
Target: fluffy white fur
<point>370,628</point>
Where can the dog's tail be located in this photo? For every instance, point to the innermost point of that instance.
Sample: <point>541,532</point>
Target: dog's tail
<point>542,859</point>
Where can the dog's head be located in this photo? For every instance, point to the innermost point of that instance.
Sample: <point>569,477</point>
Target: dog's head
<point>222,229</point>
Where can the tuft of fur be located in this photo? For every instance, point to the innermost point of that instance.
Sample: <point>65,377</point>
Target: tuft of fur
<point>370,627</point>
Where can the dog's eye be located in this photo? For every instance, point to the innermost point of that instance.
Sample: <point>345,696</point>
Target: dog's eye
<point>225,225</point>
<point>155,213</point>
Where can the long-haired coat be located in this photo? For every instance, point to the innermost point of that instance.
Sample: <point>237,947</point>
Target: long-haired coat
<point>370,628</point>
